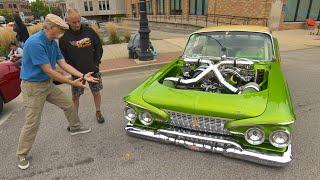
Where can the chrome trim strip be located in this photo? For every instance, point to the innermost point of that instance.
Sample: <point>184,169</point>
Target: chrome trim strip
<point>129,103</point>
<point>210,139</point>
<point>211,144</point>
<point>286,123</point>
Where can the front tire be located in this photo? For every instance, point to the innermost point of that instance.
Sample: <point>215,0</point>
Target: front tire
<point>1,104</point>
<point>135,55</point>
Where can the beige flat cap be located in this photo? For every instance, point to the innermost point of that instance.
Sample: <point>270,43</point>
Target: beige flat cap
<point>57,20</point>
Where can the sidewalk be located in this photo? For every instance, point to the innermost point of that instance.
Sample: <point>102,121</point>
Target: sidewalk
<point>115,57</point>
<point>125,64</point>
<point>290,40</point>
<point>117,51</point>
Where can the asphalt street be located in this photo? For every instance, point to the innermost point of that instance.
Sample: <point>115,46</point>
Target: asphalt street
<point>108,153</point>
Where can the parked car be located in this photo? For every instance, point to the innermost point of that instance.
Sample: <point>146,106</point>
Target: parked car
<point>29,24</point>
<point>226,94</point>
<point>9,82</point>
<point>87,22</point>
<point>2,21</point>
<point>10,24</point>
<point>37,21</point>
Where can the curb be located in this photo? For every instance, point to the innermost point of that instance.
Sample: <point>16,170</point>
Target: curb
<point>306,48</point>
<point>133,68</point>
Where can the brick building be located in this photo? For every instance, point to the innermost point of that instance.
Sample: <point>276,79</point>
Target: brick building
<point>18,6</point>
<point>277,14</point>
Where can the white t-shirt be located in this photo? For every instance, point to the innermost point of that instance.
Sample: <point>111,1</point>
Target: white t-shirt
<point>17,53</point>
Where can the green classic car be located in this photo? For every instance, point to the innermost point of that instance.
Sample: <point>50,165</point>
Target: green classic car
<point>225,94</point>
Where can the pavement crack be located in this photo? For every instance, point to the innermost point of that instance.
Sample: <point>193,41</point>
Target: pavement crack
<point>84,161</point>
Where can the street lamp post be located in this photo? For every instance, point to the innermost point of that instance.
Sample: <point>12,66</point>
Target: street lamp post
<point>145,54</point>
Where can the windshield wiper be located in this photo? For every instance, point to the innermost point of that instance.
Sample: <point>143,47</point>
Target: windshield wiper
<point>202,57</point>
<point>223,49</point>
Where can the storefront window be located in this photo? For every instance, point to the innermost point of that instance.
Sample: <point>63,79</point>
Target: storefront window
<point>205,9</point>
<point>198,7</point>
<point>104,5</point>
<point>90,6</point>
<point>192,4</point>
<point>176,7</point>
<point>303,10</point>
<point>85,4</point>
<point>315,9</point>
<point>300,10</point>
<point>108,5</point>
<point>100,6</point>
<point>149,7</point>
<point>160,7</point>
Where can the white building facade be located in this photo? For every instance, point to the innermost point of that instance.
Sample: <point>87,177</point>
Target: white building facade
<point>98,9</point>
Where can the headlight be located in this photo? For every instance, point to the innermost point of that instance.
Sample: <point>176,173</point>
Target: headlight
<point>280,138</point>
<point>145,118</point>
<point>130,114</point>
<point>254,136</point>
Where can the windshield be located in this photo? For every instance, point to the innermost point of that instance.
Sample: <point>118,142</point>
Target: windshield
<point>250,45</point>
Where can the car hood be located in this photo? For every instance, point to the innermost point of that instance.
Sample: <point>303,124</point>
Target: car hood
<point>232,106</point>
<point>270,106</point>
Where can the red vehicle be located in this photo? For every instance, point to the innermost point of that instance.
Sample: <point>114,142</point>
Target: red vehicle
<point>9,82</point>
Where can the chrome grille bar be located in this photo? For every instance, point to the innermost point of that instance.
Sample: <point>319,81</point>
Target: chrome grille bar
<point>198,122</point>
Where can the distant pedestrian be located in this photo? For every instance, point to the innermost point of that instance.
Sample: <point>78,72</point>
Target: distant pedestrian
<point>82,49</point>
<point>21,30</point>
<point>41,54</point>
<point>134,47</point>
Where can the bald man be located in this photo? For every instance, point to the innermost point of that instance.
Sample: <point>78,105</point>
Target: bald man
<point>82,49</point>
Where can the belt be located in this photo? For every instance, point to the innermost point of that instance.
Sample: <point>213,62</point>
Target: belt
<point>45,81</point>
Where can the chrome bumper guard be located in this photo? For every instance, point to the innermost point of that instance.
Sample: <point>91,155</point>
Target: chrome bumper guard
<point>206,143</point>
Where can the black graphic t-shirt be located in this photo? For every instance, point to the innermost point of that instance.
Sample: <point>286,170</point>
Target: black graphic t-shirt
<point>83,49</point>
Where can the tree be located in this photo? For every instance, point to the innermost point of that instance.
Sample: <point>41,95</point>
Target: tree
<point>56,11</point>
<point>39,8</point>
<point>6,13</point>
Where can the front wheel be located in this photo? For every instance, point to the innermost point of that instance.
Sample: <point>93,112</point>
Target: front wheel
<point>1,104</point>
<point>135,55</point>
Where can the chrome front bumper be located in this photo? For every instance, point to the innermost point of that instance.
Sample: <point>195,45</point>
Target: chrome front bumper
<point>207,143</point>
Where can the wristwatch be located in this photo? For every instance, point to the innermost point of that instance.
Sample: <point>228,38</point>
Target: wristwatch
<point>83,80</point>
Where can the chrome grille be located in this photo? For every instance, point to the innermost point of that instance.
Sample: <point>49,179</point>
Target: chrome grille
<point>198,122</point>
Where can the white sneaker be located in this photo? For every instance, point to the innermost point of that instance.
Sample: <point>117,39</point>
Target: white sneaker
<point>23,163</point>
<point>80,130</point>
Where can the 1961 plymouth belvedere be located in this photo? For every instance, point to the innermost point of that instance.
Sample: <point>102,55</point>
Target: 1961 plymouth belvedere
<point>225,94</point>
